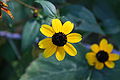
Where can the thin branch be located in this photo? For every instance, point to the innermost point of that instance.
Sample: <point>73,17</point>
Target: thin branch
<point>10,35</point>
<point>21,2</point>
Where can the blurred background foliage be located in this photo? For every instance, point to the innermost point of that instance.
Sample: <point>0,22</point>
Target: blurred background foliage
<point>94,19</point>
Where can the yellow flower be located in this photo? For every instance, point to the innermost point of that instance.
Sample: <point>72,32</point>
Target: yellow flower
<point>3,7</point>
<point>102,55</point>
<point>58,38</point>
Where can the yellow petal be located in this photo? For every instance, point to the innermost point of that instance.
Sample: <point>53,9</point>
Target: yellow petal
<point>113,57</point>
<point>99,65</point>
<point>110,64</point>
<point>57,25</point>
<point>8,12</point>
<point>91,58</point>
<point>74,37</point>
<point>3,4</point>
<point>45,43</point>
<point>103,44</point>
<point>109,48</point>
<point>49,51</point>
<point>67,27</point>
<point>95,48</point>
<point>69,48</point>
<point>47,30</point>
<point>60,53</point>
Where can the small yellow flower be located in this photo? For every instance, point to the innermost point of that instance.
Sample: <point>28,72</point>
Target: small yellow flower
<point>102,55</point>
<point>3,7</point>
<point>58,38</point>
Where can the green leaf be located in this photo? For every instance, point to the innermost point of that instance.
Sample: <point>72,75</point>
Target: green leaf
<point>71,68</point>
<point>84,19</point>
<point>7,52</point>
<point>30,32</point>
<point>108,18</point>
<point>115,38</point>
<point>49,8</point>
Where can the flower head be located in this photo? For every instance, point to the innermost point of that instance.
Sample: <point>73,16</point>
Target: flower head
<point>3,7</point>
<point>59,39</point>
<point>102,55</point>
<point>35,13</point>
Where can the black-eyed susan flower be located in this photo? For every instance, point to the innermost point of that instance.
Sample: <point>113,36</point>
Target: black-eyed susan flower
<point>102,55</point>
<point>3,7</point>
<point>59,39</point>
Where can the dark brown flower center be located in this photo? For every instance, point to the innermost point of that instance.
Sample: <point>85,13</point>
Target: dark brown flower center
<point>59,39</point>
<point>102,56</point>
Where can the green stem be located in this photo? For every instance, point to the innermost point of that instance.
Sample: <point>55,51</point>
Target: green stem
<point>90,75</point>
<point>14,48</point>
<point>21,2</point>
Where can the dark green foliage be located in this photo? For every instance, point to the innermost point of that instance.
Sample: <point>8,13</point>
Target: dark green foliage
<point>19,55</point>
<point>76,69</point>
<point>30,32</point>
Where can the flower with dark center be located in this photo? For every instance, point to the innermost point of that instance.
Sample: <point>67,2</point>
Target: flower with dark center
<point>59,39</point>
<point>102,55</point>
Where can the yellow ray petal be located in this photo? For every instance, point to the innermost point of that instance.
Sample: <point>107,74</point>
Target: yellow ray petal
<point>91,58</point>
<point>8,12</point>
<point>57,25</point>
<point>49,51</point>
<point>103,44</point>
<point>74,37</point>
<point>60,53</point>
<point>3,4</point>
<point>110,64</point>
<point>67,27</point>
<point>69,48</point>
<point>45,43</point>
<point>109,48</point>
<point>99,65</point>
<point>47,30</point>
<point>113,57</point>
<point>95,48</point>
